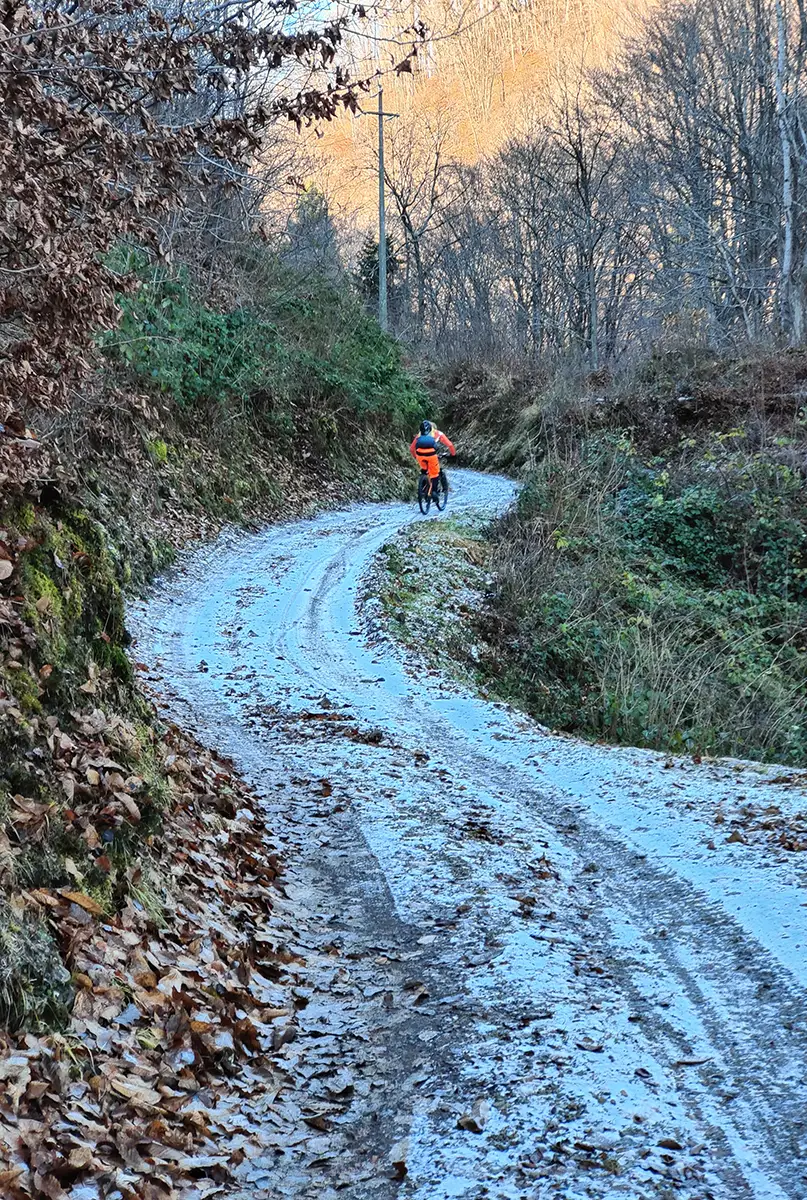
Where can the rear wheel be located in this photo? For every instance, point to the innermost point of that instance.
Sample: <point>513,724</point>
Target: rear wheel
<point>424,494</point>
<point>441,491</point>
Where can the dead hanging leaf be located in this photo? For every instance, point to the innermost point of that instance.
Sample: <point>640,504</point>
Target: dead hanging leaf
<point>6,569</point>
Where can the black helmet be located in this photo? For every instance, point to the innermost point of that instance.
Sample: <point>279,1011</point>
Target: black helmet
<point>425,428</point>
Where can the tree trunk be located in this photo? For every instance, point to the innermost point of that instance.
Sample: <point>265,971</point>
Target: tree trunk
<point>786,298</point>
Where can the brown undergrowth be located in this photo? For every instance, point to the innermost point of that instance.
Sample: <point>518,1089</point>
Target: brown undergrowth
<point>649,586</point>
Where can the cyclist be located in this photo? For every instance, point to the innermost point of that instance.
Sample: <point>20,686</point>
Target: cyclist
<point>424,450</point>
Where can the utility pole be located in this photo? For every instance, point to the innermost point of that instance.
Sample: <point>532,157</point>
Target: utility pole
<point>382,220</point>
<point>382,216</point>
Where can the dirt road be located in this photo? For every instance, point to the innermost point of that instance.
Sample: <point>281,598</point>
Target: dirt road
<point>556,976</point>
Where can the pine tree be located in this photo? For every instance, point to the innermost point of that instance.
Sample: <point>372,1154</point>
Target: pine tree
<point>312,243</point>
<point>366,273</point>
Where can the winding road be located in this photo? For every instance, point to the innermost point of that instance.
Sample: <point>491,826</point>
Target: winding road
<point>567,982</point>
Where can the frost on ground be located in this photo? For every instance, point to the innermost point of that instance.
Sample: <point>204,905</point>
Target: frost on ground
<point>571,980</point>
<point>430,581</point>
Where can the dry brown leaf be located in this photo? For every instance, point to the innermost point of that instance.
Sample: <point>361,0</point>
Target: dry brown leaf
<point>136,1091</point>
<point>83,901</point>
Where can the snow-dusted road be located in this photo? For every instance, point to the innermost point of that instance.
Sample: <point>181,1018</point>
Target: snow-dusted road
<point>620,1008</point>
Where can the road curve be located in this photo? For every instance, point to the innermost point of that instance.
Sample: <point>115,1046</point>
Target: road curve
<point>617,1005</point>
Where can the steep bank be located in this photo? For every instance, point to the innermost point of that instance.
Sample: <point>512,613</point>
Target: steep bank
<point>650,586</point>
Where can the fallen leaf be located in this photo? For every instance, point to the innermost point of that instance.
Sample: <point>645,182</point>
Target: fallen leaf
<point>135,1090</point>
<point>83,901</point>
<point>398,1156</point>
<point>476,1119</point>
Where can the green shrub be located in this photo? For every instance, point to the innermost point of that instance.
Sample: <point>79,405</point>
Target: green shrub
<point>304,356</point>
<point>659,604</point>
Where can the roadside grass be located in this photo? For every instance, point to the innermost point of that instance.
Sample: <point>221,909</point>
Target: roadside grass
<point>430,581</point>
<point>650,588</point>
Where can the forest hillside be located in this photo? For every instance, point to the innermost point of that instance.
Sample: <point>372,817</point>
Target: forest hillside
<point>651,191</point>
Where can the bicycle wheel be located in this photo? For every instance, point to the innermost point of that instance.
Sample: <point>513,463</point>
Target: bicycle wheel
<point>441,492</point>
<point>424,494</point>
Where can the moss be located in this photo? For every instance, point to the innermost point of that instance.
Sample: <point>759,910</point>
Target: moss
<point>115,659</point>
<point>160,554</point>
<point>158,449</point>
<point>100,888</point>
<point>44,609</point>
<point>25,518</point>
<point>24,688</point>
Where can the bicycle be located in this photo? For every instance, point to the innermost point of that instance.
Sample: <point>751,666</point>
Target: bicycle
<point>432,491</point>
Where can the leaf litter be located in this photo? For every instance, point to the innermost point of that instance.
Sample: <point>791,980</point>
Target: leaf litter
<point>178,1067</point>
